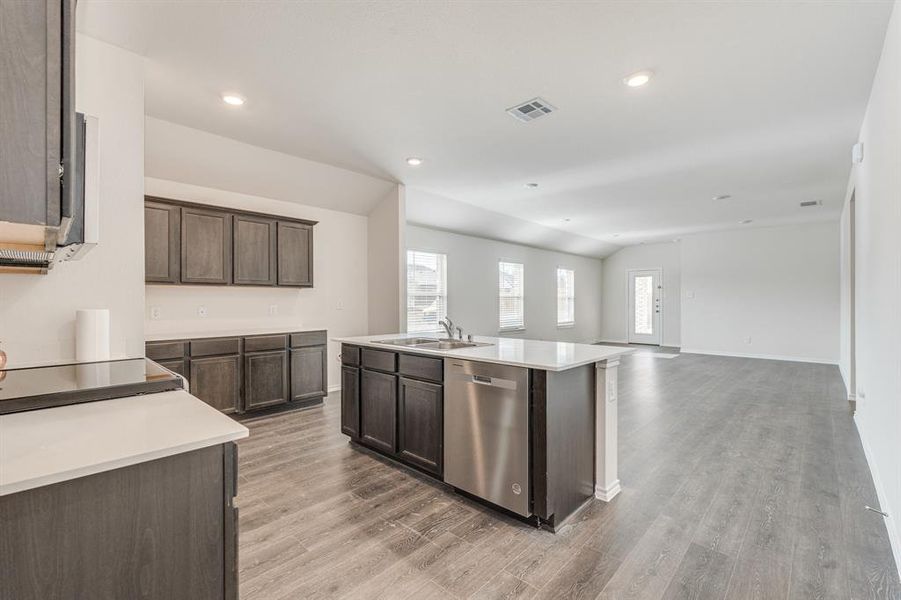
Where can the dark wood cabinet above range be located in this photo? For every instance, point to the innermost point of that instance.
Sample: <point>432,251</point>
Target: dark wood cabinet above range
<point>249,373</point>
<point>197,244</point>
<point>37,111</point>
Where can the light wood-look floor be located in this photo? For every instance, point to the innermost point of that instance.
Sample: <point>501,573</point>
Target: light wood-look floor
<point>742,479</point>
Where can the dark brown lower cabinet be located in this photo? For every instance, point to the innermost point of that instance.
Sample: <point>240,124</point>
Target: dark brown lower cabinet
<point>350,401</point>
<point>265,379</point>
<point>308,372</point>
<point>217,381</point>
<point>159,530</point>
<point>421,423</point>
<point>179,365</point>
<point>378,410</point>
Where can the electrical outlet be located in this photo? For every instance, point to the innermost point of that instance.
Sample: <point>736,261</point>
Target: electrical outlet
<point>155,313</point>
<point>273,310</point>
<point>201,312</point>
<point>689,294</point>
<point>748,340</point>
<point>339,305</point>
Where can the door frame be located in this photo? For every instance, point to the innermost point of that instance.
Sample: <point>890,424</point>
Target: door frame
<point>660,315</point>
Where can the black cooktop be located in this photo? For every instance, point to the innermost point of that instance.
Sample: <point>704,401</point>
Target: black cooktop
<point>58,385</point>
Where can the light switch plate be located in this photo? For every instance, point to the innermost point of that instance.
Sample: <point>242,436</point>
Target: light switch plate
<point>273,310</point>
<point>201,312</point>
<point>155,313</point>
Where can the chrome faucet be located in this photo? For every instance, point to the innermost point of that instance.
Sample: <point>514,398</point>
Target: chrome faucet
<point>448,326</point>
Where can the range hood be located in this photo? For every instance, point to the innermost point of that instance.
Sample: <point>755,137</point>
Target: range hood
<point>28,248</point>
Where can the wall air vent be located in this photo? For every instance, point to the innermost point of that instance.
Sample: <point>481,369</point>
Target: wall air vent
<point>807,203</point>
<point>531,110</point>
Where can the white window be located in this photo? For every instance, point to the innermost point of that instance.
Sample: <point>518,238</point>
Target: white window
<point>426,290</point>
<point>510,296</point>
<point>566,297</point>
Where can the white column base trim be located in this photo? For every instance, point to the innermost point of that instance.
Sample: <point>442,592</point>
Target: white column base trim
<point>608,494</point>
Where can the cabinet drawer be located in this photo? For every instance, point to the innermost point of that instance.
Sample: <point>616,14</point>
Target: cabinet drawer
<point>350,355</point>
<point>265,342</point>
<point>379,359</point>
<point>308,338</point>
<point>164,350</point>
<point>423,367</point>
<point>216,346</point>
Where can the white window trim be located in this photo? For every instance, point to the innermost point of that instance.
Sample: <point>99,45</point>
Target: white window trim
<point>566,324</point>
<point>438,328</point>
<point>516,328</point>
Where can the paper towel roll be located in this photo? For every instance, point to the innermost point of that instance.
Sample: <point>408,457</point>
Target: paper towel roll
<point>92,334</point>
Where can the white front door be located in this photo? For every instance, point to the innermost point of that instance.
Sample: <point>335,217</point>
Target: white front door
<point>645,306</point>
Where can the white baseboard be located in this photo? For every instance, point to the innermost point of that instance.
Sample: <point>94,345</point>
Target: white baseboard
<point>611,342</point>
<point>801,359</point>
<point>893,538</point>
<point>334,388</point>
<point>608,494</point>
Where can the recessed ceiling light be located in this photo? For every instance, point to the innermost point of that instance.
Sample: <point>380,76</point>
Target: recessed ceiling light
<point>722,197</point>
<point>567,219</point>
<point>531,185</point>
<point>638,79</point>
<point>615,235</point>
<point>745,221</point>
<point>414,162</point>
<point>233,99</point>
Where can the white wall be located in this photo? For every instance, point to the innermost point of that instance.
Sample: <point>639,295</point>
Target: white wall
<point>877,185</point>
<point>337,302</point>
<point>37,312</point>
<point>387,280</point>
<point>472,282</point>
<point>778,286</point>
<point>615,303</point>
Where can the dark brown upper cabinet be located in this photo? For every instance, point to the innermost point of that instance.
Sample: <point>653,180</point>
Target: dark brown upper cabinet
<point>295,254</point>
<point>186,243</point>
<point>37,111</point>
<point>206,246</point>
<point>162,239</point>
<point>254,250</point>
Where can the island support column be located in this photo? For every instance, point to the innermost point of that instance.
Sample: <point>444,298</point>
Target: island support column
<point>606,478</point>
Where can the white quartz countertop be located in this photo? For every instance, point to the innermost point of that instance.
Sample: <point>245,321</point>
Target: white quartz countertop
<point>226,332</point>
<point>534,354</point>
<point>42,447</point>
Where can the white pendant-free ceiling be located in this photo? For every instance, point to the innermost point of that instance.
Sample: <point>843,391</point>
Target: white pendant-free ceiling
<point>760,101</point>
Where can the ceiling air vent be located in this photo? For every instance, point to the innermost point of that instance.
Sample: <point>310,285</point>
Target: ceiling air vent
<point>531,110</point>
<point>807,203</point>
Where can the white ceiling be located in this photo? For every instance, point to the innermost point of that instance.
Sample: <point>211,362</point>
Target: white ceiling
<point>760,100</point>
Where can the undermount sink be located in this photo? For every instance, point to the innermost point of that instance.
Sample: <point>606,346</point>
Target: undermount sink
<point>431,343</point>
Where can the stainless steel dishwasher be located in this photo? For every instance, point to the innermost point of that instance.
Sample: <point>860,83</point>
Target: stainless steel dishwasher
<point>486,432</point>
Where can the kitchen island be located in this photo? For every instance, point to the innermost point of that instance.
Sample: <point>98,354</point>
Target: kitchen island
<point>528,426</point>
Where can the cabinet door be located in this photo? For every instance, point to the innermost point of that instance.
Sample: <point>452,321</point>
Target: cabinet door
<point>162,238</point>
<point>31,110</point>
<point>265,379</point>
<point>350,401</point>
<point>421,423</point>
<point>378,410</point>
<point>295,254</point>
<point>217,381</point>
<point>308,373</point>
<point>206,255</point>
<point>178,365</point>
<point>254,250</point>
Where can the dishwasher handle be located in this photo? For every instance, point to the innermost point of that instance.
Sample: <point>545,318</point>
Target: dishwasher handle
<point>495,382</point>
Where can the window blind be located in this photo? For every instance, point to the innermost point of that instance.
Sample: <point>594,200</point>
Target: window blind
<point>426,290</point>
<point>566,297</point>
<point>510,296</point>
